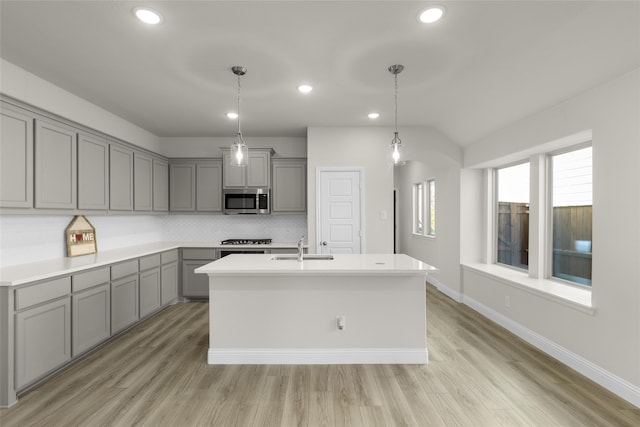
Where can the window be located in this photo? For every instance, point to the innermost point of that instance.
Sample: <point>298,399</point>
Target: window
<point>512,216</point>
<point>431,212</point>
<point>424,208</point>
<point>571,182</point>
<point>418,209</point>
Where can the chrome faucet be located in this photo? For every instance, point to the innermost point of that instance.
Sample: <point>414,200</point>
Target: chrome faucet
<point>300,249</point>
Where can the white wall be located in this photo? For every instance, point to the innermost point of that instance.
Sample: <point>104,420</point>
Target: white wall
<point>32,238</point>
<point>610,338</point>
<point>24,86</point>
<point>432,156</point>
<point>365,147</point>
<point>210,147</point>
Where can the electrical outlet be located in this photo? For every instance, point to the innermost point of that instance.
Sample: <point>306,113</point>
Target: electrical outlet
<point>341,322</point>
<point>507,301</point>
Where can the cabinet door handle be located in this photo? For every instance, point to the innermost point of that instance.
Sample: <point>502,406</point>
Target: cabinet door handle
<point>324,243</point>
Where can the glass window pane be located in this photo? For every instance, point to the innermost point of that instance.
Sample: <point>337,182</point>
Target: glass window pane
<point>418,210</point>
<point>432,207</point>
<point>512,222</point>
<point>572,211</point>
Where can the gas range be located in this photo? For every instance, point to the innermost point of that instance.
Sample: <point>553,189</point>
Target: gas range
<point>246,242</point>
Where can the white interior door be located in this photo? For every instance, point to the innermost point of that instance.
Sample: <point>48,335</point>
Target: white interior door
<point>339,212</point>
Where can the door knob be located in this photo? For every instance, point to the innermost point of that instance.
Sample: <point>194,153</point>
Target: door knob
<point>324,243</point>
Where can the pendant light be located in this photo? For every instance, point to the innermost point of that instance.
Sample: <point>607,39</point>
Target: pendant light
<point>239,151</point>
<point>396,142</point>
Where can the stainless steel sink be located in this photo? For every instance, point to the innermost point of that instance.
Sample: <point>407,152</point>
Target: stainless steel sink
<point>310,257</point>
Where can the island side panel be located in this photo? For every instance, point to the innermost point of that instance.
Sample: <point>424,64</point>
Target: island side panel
<point>292,319</point>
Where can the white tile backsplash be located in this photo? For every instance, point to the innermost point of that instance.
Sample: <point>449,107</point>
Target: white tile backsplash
<point>214,228</point>
<point>31,238</point>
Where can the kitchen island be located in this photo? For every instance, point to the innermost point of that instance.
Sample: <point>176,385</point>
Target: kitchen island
<point>364,308</point>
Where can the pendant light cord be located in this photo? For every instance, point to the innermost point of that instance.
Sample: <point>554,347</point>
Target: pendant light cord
<point>239,115</point>
<point>396,101</point>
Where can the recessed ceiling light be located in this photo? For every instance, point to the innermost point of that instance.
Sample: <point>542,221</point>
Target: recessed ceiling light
<point>305,88</point>
<point>232,115</point>
<point>431,14</point>
<point>148,16</point>
<point>373,115</point>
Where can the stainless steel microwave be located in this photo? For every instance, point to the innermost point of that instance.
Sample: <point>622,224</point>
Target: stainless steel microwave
<point>246,201</point>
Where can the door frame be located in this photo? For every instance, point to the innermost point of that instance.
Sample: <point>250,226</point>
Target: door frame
<point>360,171</point>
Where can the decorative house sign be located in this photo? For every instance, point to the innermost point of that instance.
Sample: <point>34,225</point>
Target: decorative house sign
<point>81,237</point>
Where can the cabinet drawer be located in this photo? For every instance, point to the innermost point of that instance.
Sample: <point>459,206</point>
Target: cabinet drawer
<point>150,261</point>
<point>45,291</point>
<point>208,254</point>
<point>90,279</point>
<point>167,257</point>
<point>124,269</point>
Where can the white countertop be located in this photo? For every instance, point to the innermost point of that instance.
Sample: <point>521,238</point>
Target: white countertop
<point>342,264</point>
<point>41,270</point>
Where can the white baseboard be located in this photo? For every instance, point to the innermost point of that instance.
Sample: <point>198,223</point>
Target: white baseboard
<point>316,356</point>
<point>606,379</point>
<point>454,295</point>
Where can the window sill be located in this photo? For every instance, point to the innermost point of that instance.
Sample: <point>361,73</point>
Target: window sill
<point>565,294</point>
<point>428,236</point>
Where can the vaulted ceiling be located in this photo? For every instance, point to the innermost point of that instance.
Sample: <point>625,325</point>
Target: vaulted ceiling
<point>484,65</point>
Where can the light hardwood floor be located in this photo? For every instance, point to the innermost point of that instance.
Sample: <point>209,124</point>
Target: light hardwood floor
<point>478,375</point>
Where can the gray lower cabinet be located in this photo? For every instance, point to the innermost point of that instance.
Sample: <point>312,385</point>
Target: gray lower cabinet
<point>124,303</point>
<point>160,185</point>
<point>91,317</point>
<point>93,172</point>
<point>42,339</point>
<point>289,186</point>
<point>195,285</point>
<point>16,159</point>
<point>149,291</point>
<point>120,178</point>
<point>169,280</point>
<point>55,166</point>
<point>142,182</point>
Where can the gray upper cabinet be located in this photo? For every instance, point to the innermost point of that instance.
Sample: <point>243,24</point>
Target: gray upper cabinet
<point>234,176</point>
<point>195,185</point>
<point>142,182</point>
<point>255,174</point>
<point>258,170</point>
<point>16,159</point>
<point>93,173</point>
<point>182,187</point>
<point>120,178</point>
<point>55,166</point>
<point>209,186</point>
<point>160,185</point>
<point>289,186</point>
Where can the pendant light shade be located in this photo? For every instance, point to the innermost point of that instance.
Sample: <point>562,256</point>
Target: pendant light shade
<point>239,150</point>
<point>396,142</point>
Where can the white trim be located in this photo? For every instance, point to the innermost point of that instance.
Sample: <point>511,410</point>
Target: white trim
<point>606,379</point>
<point>454,295</point>
<point>573,296</point>
<point>361,183</point>
<point>316,356</point>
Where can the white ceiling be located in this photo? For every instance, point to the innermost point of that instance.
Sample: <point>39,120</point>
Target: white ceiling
<point>484,65</point>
